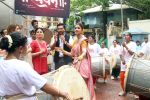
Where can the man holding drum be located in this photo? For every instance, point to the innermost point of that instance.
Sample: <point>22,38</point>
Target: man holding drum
<point>104,52</point>
<point>114,52</point>
<point>94,49</point>
<point>127,50</point>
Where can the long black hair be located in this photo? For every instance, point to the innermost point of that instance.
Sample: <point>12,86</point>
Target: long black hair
<point>17,39</point>
<point>81,25</point>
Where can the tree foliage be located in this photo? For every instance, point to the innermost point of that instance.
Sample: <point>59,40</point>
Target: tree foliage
<point>76,6</point>
<point>143,5</point>
<point>79,5</point>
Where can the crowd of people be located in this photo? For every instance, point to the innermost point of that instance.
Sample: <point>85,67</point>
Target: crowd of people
<point>25,76</point>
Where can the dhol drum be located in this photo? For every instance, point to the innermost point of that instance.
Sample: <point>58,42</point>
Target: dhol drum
<point>66,78</point>
<point>137,77</point>
<point>100,65</point>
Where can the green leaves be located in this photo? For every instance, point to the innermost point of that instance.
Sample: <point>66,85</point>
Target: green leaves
<point>142,5</point>
<point>80,5</point>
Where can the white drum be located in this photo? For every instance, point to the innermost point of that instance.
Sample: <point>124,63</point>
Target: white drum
<point>66,78</point>
<point>137,78</point>
<point>99,65</point>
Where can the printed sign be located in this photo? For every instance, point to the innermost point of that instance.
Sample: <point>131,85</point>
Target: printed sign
<point>51,8</point>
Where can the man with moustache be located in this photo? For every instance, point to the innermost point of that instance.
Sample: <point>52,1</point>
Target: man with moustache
<point>64,41</point>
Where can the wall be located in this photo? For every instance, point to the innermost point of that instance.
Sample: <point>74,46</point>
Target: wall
<point>141,24</point>
<point>7,15</point>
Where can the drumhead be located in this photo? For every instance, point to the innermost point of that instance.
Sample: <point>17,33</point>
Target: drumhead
<point>68,79</point>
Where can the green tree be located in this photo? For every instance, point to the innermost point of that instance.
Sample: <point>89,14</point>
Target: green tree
<point>79,5</point>
<point>104,4</point>
<point>142,5</point>
<point>76,6</point>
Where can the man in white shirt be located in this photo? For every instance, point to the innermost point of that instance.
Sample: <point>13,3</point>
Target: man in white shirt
<point>145,41</point>
<point>94,48</point>
<point>115,53</point>
<point>127,50</point>
<point>103,51</point>
<point>146,51</point>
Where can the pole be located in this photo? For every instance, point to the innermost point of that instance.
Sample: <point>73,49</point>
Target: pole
<point>121,17</point>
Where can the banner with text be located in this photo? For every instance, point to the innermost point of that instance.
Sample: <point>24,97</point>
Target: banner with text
<point>51,8</point>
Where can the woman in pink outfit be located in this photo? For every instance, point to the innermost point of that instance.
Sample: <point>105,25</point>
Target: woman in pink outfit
<point>82,59</point>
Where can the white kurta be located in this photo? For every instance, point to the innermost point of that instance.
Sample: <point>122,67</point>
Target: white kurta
<point>94,49</point>
<point>146,51</point>
<point>132,46</point>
